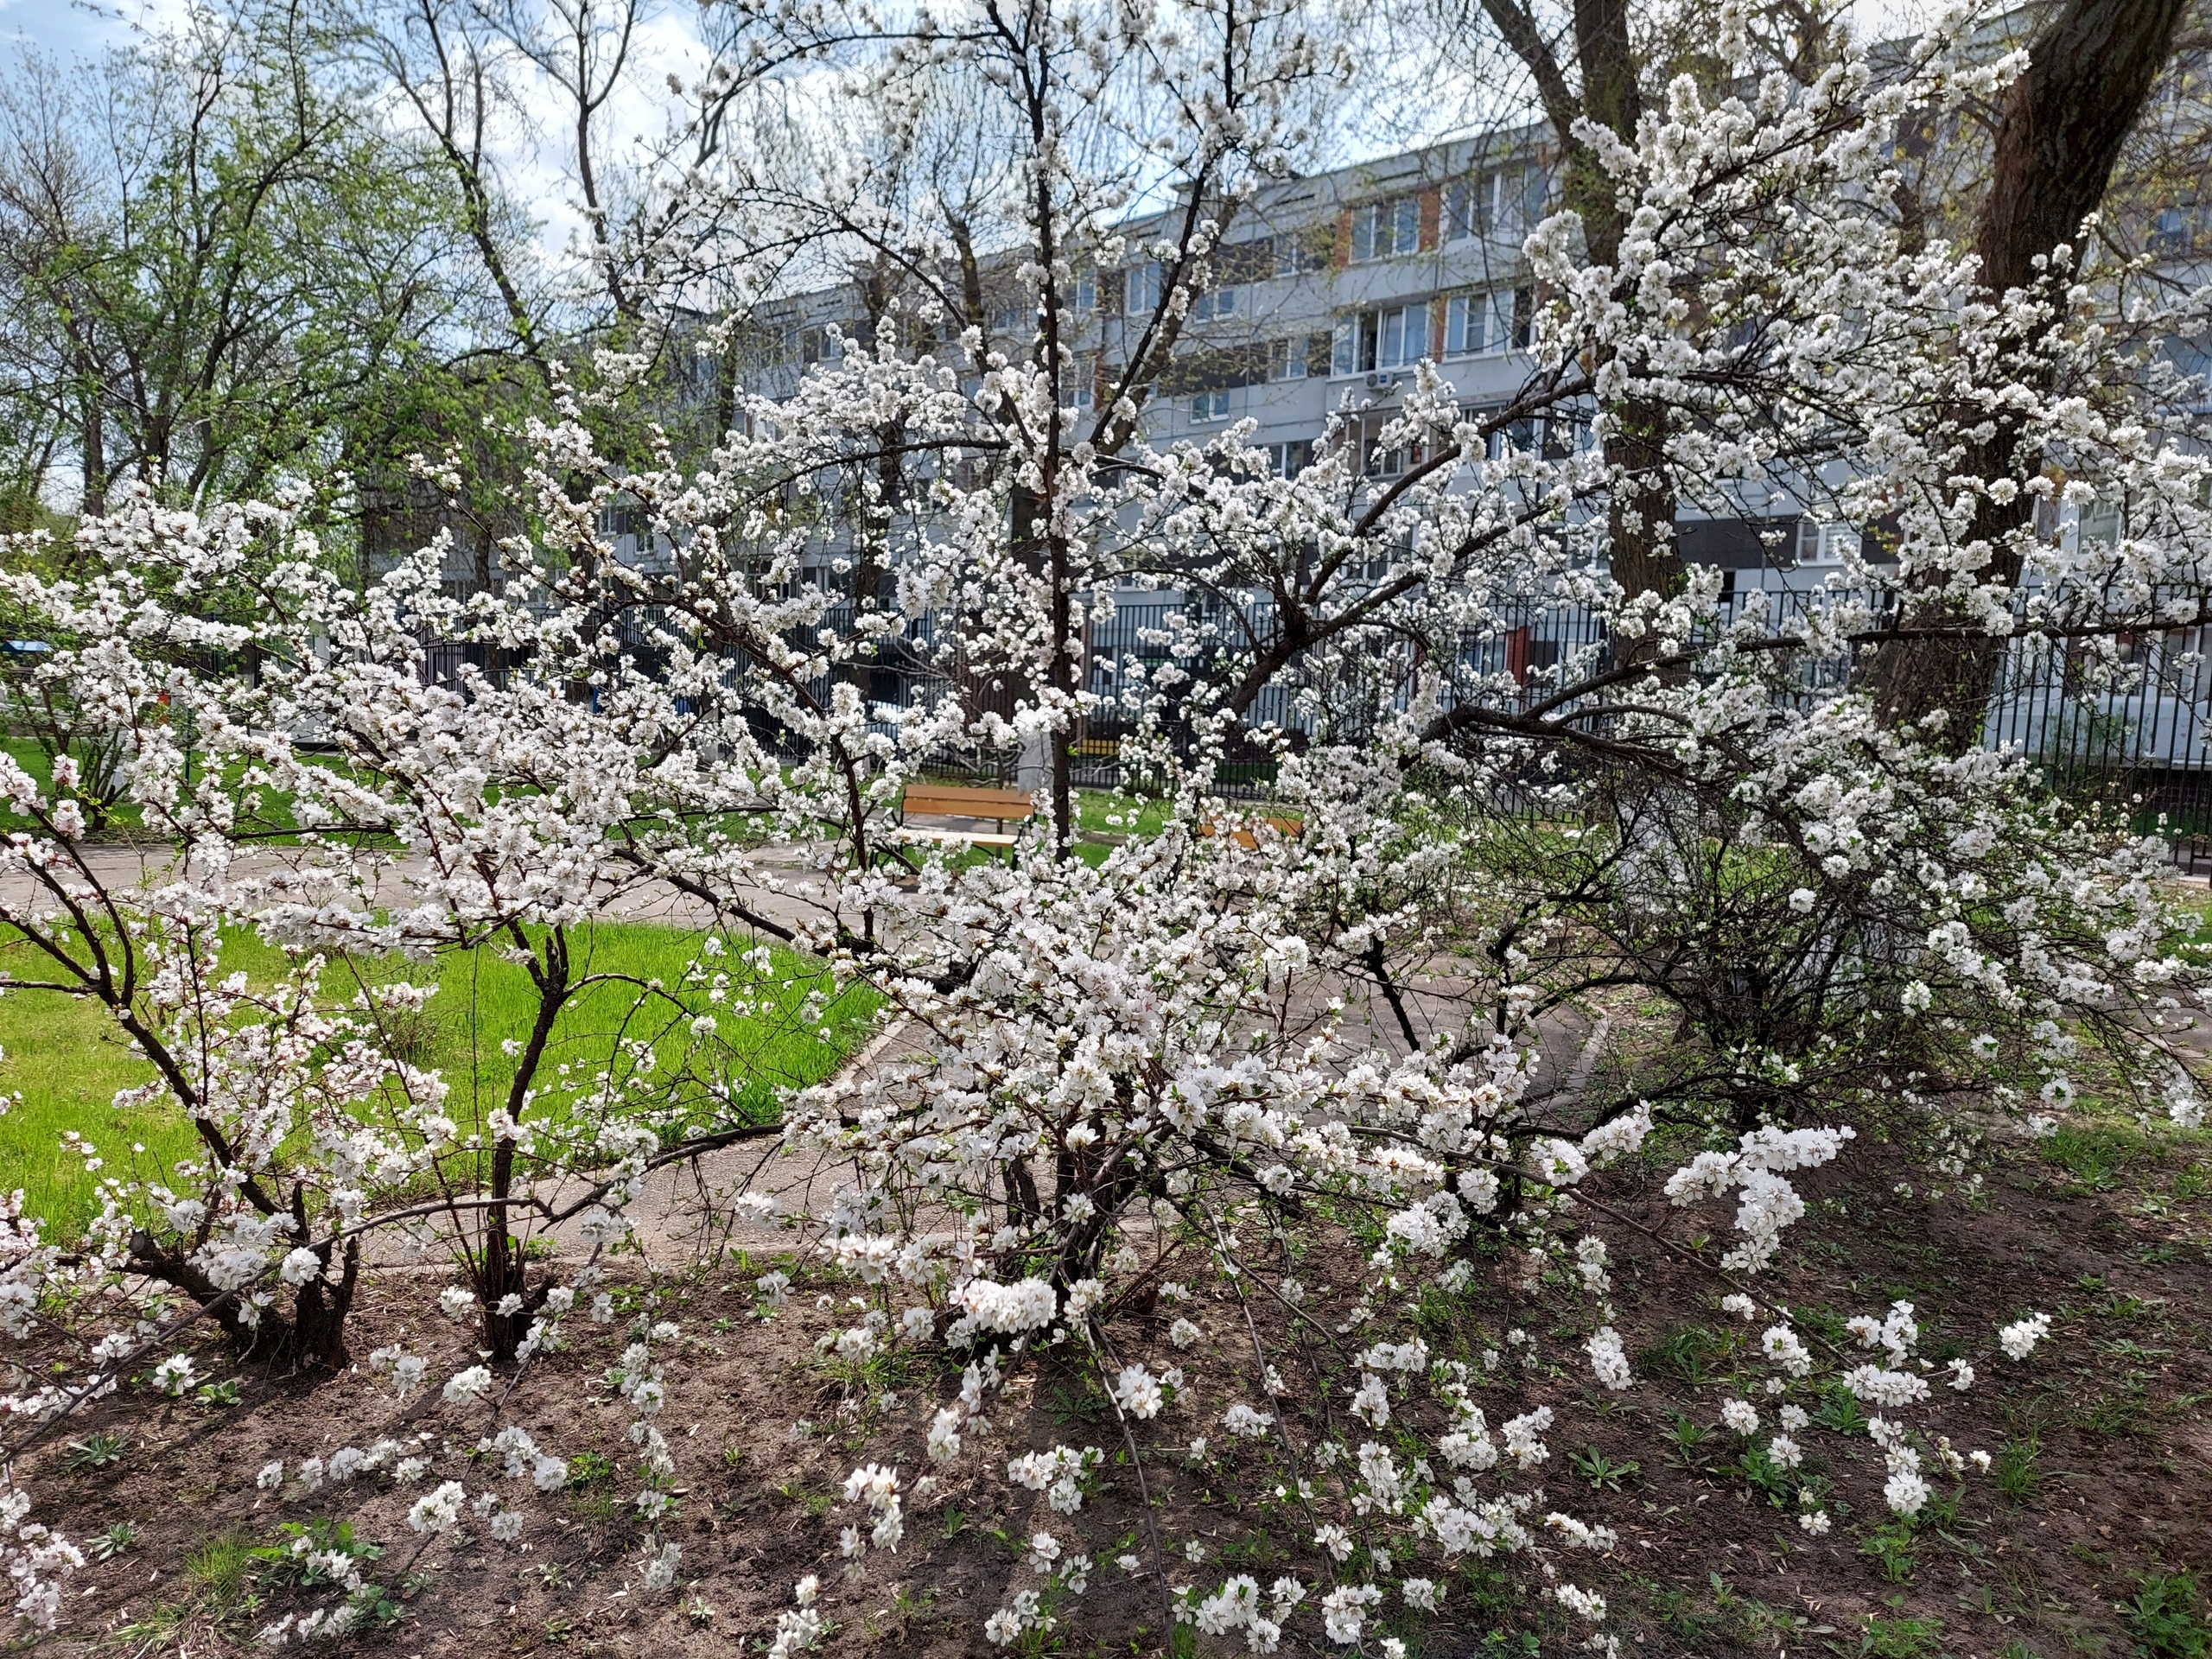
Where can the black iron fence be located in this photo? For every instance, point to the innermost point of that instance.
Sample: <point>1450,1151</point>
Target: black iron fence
<point>2124,723</point>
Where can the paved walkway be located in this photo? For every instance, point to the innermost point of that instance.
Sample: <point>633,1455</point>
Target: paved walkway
<point>789,893</point>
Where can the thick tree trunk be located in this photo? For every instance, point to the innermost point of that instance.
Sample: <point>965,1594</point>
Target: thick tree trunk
<point>1640,527</point>
<point>2088,75</point>
<point>312,1336</point>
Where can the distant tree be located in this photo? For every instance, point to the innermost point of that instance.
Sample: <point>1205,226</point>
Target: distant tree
<point>214,261</point>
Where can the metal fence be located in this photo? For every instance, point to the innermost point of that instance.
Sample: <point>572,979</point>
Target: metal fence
<point>2126,726</point>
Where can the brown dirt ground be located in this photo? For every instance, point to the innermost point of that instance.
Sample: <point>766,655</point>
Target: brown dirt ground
<point>2107,1229</point>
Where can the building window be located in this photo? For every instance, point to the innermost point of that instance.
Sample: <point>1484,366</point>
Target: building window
<point>1214,304</point>
<point>1289,460</point>
<point>1290,359</point>
<point>1378,461</point>
<point>1140,289</point>
<point>1298,251</point>
<point>1478,325</point>
<point>1505,202</point>
<point>1395,337</point>
<point>1210,405</point>
<point>1384,230</point>
<point>807,346</point>
<point>1822,545</point>
<point>1086,291</point>
<point>1081,382</point>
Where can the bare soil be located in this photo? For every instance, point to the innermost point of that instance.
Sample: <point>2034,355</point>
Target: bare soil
<point>2105,1435</point>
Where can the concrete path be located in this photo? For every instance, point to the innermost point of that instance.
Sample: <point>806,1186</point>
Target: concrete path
<point>789,894</point>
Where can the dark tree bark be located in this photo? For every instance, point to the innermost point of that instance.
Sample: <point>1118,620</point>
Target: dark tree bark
<point>1641,522</point>
<point>2064,121</point>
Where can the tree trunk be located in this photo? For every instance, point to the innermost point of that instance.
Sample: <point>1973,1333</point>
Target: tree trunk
<point>2088,75</point>
<point>1640,527</point>
<point>504,1270</point>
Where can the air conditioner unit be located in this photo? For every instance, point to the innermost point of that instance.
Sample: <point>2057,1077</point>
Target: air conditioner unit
<point>1385,380</point>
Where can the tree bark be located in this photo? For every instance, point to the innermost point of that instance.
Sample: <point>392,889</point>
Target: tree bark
<point>2089,73</point>
<point>1640,528</point>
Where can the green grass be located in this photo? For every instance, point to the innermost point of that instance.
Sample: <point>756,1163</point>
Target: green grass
<point>66,1060</point>
<point>26,753</point>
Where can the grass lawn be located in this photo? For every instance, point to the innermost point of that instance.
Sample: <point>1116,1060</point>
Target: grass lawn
<point>66,1062</point>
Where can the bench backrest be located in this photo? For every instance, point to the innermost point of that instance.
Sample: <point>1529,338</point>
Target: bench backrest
<point>952,801</point>
<point>1288,829</point>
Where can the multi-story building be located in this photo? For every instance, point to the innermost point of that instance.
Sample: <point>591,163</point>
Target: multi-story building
<point>1328,290</point>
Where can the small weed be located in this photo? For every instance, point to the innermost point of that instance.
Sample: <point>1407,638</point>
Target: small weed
<point>2116,1413</point>
<point>588,1469</point>
<point>1891,1549</point>
<point>1690,1351</point>
<point>1689,1442</point>
<point>1489,1592</point>
<point>311,1553</point>
<point>816,1504</point>
<point>1078,1405</point>
<point>1838,1410</point>
<point>219,1567</point>
<point>2017,1474</point>
<point>1600,1471</point>
<point>159,1623</point>
<point>909,1607</point>
<point>1941,1512</point>
<point>1675,1610</point>
<point>2124,1305</point>
<point>699,1610</point>
<point>2165,1618</point>
<point>96,1452</point>
<point>121,1536</point>
<point>1256,1547</point>
<point>1775,1482</point>
<point>221,1396</point>
<point>597,1506</point>
<point>2095,1158</point>
<point>1902,1638</point>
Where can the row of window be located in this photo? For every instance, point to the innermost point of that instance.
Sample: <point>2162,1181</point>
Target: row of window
<point>1506,201</point>
<point>1555,437</point>
<point>1484,323</point>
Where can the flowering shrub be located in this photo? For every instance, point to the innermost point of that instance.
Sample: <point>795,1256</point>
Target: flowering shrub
<point>1284,1081</point>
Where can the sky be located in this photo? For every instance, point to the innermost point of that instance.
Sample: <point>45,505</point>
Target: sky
<point>73,28</point>
<point>67,30</point>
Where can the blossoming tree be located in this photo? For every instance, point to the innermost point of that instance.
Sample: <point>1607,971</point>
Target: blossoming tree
<point>1274,1077</point>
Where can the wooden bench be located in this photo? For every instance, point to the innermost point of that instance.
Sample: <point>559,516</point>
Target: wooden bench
<point>1288,829</point>
<point>1001,806</point>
